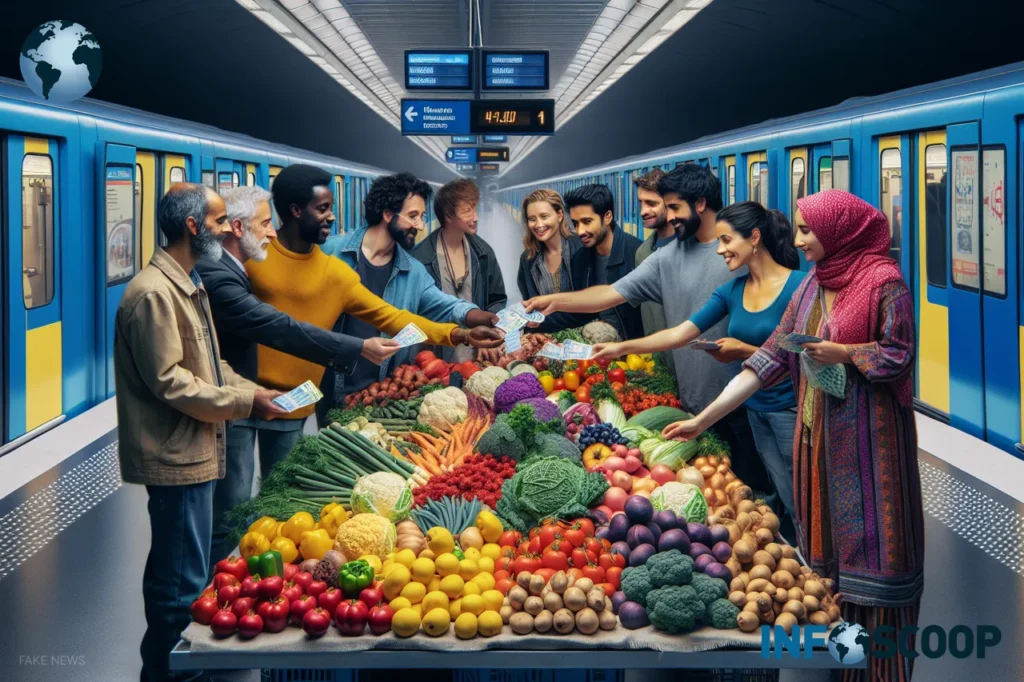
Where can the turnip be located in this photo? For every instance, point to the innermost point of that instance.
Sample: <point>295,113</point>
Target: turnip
<point>615,498</point>
<point>633,461</point>
<point>620,449</point>
<point>614,463</point>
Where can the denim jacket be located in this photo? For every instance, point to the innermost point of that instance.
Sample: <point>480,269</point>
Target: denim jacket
<point>410,287</point>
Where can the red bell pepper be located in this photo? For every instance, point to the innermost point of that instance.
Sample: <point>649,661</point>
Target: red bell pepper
<point>234,565</point>
<point>350,617</point>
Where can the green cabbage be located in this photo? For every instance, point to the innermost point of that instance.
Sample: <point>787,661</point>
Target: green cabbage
<point>611,412</point>
<point>548,487</point>
<point>635,434</point>
<point>564,400</point>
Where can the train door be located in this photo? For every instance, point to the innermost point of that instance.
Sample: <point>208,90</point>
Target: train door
<point>32,340</point>
<point>893,171</point>
<point>729,186</point>
<point>274,170</point>
<point>227,174</point>
<point>339,226</point>
<point>250,175</point>
<point>146,183</point>
<point>757,178</point>
<point>175,170</point>
<point>208,169</point>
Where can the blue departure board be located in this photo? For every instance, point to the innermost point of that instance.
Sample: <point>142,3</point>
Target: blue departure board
<point>514,70</point>
<point>438,69</point>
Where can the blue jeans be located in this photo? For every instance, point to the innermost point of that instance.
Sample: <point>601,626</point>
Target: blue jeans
<point>180,520</point>
<point>235,488</point>
<point>277,438</point>
<point>773,434</point>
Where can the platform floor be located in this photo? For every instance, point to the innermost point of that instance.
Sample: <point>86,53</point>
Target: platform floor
<point>74,539</point>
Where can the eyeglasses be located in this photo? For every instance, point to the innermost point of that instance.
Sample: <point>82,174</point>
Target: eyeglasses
<point>419,220</point>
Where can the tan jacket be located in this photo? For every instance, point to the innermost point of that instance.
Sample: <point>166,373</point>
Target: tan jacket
<point>174,393</point>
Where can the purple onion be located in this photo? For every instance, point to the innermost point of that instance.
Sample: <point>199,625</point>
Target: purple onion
<point>698,548</point>
<point>601,533</point>
<point>666,519</point>
<point>639,535</point>
<point>703,561</point>
<point>621,547</point>
<point>618,527</point>
<point>698,532</point>
<point>640,555</point>
<point>617,599</point>
<point>722,551</point>
<point>674,539</point>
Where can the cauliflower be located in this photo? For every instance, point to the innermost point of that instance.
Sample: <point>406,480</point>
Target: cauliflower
<point>384,493</point>
<point>447,406</point>
<point>484,382</point>
<point>518,388</point>
<point>499,441</point>
<point>670,568</point>
<point>685,499</point>
<point>721,614</point>
<point>636,584</point>
<point>553,445</point>
<point>674,609</point>
<point>600,331</point>
<point>366,534</point>
<point>709,589</point>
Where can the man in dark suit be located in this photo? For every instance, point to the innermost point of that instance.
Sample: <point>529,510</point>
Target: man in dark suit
<point>243,322</point>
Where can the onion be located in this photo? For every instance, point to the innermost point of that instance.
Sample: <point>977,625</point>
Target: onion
<point>690,475</point>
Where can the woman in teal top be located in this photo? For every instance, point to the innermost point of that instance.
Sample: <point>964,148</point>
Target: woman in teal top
<point>762,240</point>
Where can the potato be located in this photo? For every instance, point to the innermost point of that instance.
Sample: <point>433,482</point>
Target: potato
<point>575,599</point>
<point>734,532</point>
<point>811,603</point>
<point>814,589</point>
<point>559,582</point>
<point>587,621</point>
<point>751,607</point>
<point>796,593</point>
<point>517,597</point>
<point>756,585</point>
<point>717,481</point>
<point>743,551</point>
<point>818,618</point>
<point>596,599</point>
<point>533,605</point>
<point>762,572</point>
<point>738,598</point>
<point>553,601</point>
<point>585,584</point>
<point>747,621</point>
<point>781,596</point>
<point>764,537</point>
<point>726,512</point>
<point>536,585</point>
<point>521,623</point>
<point>523,580</point>
<point>777,607</point>
<point>775,549</point>
<point>833,613</point>
<point>788,552</point>
<point>739,582</point>
<point>745,506</point>
<point>721,497</point>
<point>743,520</point>
<point>734,566</point>
<point>796,608</point>
<point>764,602</point>
<point>544,621</point>
<point>740,494</point>
<point>787,621</point>
<point>782,579</point>
<point>607,620</point>
<point>771,522</point>
<point>506,613</point>
<point>565,621</point>
<point>763,558</point>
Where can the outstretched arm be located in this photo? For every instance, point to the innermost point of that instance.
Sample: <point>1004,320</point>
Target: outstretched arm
<point>735,393</point>
<point>666,339</point>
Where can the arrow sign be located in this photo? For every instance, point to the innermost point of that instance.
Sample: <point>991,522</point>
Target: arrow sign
<point>435,117</point>
<point>411,114</point>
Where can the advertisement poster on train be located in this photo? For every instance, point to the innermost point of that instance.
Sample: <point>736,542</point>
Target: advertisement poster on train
<point>965,218</point>
<point>120,197</point>
<point>994,220</point>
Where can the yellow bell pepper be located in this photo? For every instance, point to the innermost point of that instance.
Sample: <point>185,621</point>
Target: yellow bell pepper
<point>635,362</point>
<point>287,549</point>
<point>619,364</point>
<point>489,525</point>
<point>333,518</point>
<point>253,543</point>
<point>265,526</point>
<point>315,543</point>
<point>277,530</point>
<point>374,562</point>
<point>297,525</point>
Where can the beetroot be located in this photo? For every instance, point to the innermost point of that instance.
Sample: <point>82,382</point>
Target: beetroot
<point>719,533</point>
<point>702,562</point>
<point>621,547</point>
<point>717,570</point>
<point>617,599</point>
<point>666,519</point>
<point>640,555</point>
<point>722,551</point>
<point>639,535</point>
<point>633,616</point>
<point>674,539</point>
<point>698,548</point>
<point>618,527</point>
<point>638,509</point>
<point>698,532</point>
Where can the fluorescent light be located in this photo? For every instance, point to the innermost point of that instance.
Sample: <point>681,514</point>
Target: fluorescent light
<point>272,21</point>
<point>301,45</point>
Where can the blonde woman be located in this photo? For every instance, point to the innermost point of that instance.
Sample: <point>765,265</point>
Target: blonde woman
<point>548,246</point>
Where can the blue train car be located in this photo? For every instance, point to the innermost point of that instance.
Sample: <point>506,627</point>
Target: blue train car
<point>942,161</point>
<point>81,185</point>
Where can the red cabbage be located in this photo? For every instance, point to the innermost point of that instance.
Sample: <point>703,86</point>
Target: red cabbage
<point>520,387</point>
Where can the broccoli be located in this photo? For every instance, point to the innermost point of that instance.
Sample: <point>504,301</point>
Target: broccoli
<point>552,445</point>
<point>674,609</point>
<point>670,568</point>
<point>721,614</point>
<point>501,441</point>
<point>709,589</point>
<point>636,584</point>
<point>531,418</point>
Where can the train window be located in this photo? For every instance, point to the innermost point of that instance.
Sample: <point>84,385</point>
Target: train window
<point>37,230</point>
<point>225,181</point>
<point>714,170</point>
<point>138,215</point>
<point>177,175</point>
<point>935,214</point>
<point>993,220</point>
<point>841,174</point>
<point>120,224</point>
<point>731,172</point>
<point>964,237</point>
<point>891,193</point>
<point>824,173</point>
<point>250,179</point>
<point>759,183</point>
<point>208,179</point>
<point>234,180</point>
<point>798,183</point>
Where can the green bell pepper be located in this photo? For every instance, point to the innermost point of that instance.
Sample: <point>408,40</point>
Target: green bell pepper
<point>459,554</point>
<point>354,577</point>
<point>253,564</point>
<point>271,564</point>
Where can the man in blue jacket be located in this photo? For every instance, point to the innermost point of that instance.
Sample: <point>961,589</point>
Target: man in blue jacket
<point>395,208</point>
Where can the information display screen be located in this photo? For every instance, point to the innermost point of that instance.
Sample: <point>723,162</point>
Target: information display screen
<point>512,117</point>
<point>438,69</point>
<point>514,70</point>
<point>492,154</point>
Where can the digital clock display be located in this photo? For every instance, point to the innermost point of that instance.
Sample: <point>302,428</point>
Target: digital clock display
<point>523,117</point>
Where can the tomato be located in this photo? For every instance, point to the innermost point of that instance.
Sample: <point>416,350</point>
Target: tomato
<point>603,362</point>
<point>576,573</point>
<point>579,558</point>
<point>617,386</point>
<point>617,375</point>
<point>619,560</point>
<point>586,364</point>
<point>586,525</point>
<point>509,538</point>
<point>549,534</point>
<point>594,545</point>
<point>505,564</point>
<point>595,573</point>
<point>571,379</point>
<point>222,579</point>
<point>559,384</point>
<point>609,591</point>
<point>534,532</point>
<point>575,536</point>
<point>523,547</point>
<point>204,609</point>
<point>528,562</point>
<point>423,357</point>
<point>595,379</point>
<point>555,560</point>
<point>545,573</point>
<point>583,394</point>
<point>614,576</point>
<point>316,622</point>
<point>499,575</point>
<point>605,561</point>
<point>274,613</point>
<point>536,545</point>
<point>504,585</point>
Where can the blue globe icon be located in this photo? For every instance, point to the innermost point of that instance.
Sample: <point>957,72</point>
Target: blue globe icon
<point>848,643</point>
<point>61,61</point>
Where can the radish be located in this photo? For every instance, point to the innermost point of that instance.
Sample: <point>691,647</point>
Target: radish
<point>632,461</point>
<point>620,449</point>
<point>614,463</point>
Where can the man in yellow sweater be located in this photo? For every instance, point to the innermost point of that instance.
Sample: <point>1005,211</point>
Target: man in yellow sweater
<point>299,279</point>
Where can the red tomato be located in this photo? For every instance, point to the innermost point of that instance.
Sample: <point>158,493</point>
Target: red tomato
<point>504,585</point>
<point>274,613</point>
<point>233,565</point>
<point>222,579</point>
<point>505,564</point>
<point>583,394</point>
<point>534,532</point>
<point>204,609</point>
<point>594,545</point>
<point>523,547</point>
<point>545,573</point>
<point>536,545</point>
<point>605,561</point>
<point>555,560</point>
<point>586,525</point>
<point>617,386</point>
<point>576,573</point>
<point>423,357</point>
<point>614,576</point>
<point>316,622</point>
<point>609,591</point>
<point>575,537</point>
<point>617,375</point>
<point>585,365</point>
<point>527,562</point>
<point>501,574</point>
<point>559,384</point>
<point>509,538</point>
<point>579,558</point>
<point>603,362</point>
<point>595,573</point>
<point>619,560</point>
<point>595,379</point>
<point>549,534</point>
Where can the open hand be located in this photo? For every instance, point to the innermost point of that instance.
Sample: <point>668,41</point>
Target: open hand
<point>377,349</point>
<point>263,406</point>
<point>545,304</point>
<point>606,350</point>
<point>827,353</point>
<point>684,430</point>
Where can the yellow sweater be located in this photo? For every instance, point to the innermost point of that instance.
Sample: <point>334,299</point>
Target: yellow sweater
<point>318,289</point>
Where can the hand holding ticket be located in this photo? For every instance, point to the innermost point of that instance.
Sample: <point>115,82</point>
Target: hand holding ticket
<point>304,395</point>
<point>410,336</point>
<point>794,342</point>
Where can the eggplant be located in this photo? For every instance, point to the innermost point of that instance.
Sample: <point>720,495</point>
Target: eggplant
<point>674,539</point>
<point>640,535</point>
<point>640,555</point>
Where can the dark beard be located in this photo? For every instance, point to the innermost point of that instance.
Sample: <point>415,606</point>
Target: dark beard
<point>309,229</point>
<point>687,228</point>
<point>206,244</point>
<point>404,238</point>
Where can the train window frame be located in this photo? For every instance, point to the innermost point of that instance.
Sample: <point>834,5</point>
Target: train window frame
<point>761,167</point>
<point>209,178</point>
<point>250,179</point>
<point>956,153</point>
<point>730,173</point>
<point>985,212</point>
<point>139,208</point>
<point>170,174</point>
<point>49,232</point>
<point>122,274</point>
<point>844,163</point>
<point>895,233</point>
<point>235,179</point>
<point>936,233</point>
<point>793,192</point>
<point>831,172</point>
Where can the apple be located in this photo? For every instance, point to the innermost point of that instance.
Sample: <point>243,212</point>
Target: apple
<point>224,623</point>
<point>243,605</point>
<point>300,606</point>
<point>274,613</point>
<point>316,622</point>
<point>250,625</point>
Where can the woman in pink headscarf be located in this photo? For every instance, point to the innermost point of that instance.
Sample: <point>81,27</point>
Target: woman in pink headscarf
<point>856,485</point>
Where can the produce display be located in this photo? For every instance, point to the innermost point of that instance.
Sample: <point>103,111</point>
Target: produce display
<point>509,495</point>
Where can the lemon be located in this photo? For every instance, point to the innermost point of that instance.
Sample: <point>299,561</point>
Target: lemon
<point>435,600</point>
<point>440,540</point>
<point>374,561</point>
<point>414,592</point>
<point>455,608</point>
<point>422,570</point>
<point>485,581</point>
<point>465,626</point>
<point>395,581</point>
<point>434,585</point>
<point>399,603</point>
<point>418,608</point>
<point>490,550</point>
<point>436,622</point>
<point>427,554</point>
<point>452,586</point>
<point>405,623</point>
<point>471,588</point>
<point>446,565</point>
<point>489,623</point>
<point>473,554</point>
<point>405,557</point>
<point>493,598</point>
<point>467,569</point>
<point>474,604</point>
<point>485,564</point>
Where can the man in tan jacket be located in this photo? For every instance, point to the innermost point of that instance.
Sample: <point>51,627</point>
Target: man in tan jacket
<point>174,395</point>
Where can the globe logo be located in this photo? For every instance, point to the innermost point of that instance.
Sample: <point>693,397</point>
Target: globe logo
<point>60,61</point>
<point>848,643</point>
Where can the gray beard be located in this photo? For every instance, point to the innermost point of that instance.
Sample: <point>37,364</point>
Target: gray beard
<point>204,244</point>
<point>252,248</point>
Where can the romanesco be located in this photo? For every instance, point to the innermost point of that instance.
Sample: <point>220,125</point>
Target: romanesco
<point>721,614</point>
<point>636,584</point>
<point>670,568</point>
<point>499,441</point>
<point>674,609</point>
<point>709,589</point>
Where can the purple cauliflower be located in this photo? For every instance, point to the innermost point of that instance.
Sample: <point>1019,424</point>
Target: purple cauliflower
<point>543,409</point>
<point>520,387</point>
